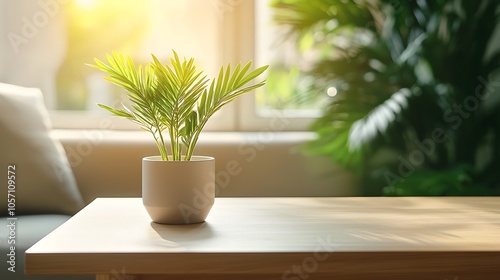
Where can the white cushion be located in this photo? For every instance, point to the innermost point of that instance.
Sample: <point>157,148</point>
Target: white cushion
<point>44,181</point>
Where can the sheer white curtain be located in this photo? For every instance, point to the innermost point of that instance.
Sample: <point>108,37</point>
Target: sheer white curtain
<point>33,44</point>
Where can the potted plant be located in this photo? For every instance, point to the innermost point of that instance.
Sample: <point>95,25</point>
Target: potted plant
<point>177,186</point>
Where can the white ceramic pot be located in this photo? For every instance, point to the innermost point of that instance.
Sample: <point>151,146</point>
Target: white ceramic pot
<point>178,192</point>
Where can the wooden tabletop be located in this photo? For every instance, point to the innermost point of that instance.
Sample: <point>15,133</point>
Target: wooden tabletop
<point>283,238</point>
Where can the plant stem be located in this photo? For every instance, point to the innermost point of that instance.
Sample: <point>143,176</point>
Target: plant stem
<point>194,139</point>
<point>160,143</point>
<point>173,143</point>
<point>162,148</point>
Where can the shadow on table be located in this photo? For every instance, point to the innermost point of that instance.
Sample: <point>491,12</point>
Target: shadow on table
<point>184,233</point>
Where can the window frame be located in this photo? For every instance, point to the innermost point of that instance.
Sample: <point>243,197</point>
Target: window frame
<point>248,118</point>
<point>238,20</point>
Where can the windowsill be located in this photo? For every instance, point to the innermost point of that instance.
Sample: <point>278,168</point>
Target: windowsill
<point>222,121</point>
<point>206,138</point>
<point>108,163</point>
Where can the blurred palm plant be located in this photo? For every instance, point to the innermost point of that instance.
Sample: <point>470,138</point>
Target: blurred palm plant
<point>416,111</point>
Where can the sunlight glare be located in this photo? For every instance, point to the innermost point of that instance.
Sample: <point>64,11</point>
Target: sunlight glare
<point>331,91</point>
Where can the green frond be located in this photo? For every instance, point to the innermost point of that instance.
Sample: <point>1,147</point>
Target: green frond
<point>174,97</point>
<point>117,112</point>
<point>432,50</point>
<point>378,121</point>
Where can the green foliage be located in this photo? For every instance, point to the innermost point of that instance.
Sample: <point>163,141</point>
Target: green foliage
<point>454,181</point>
<point>404,70</point>
<point>176,98</point>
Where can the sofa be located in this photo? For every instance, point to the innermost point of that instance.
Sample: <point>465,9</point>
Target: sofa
<point>59,171</point>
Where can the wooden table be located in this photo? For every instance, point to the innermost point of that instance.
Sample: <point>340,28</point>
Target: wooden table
<point>385,238</point>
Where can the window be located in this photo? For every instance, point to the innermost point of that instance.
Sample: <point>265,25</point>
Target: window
<point>284,97</point>
<point>48,43</point>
